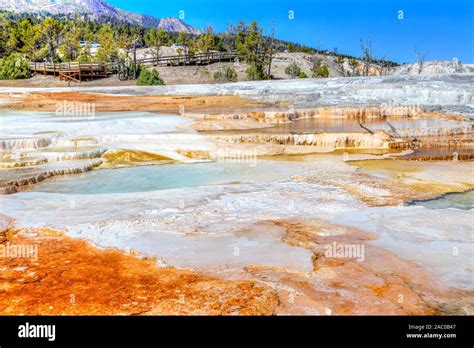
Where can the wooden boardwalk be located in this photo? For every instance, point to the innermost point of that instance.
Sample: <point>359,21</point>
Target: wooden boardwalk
<point>81,71</point>
<point>190,59</point>
<point>72,71</point>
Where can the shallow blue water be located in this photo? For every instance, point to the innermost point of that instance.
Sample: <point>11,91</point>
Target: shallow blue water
<point>168,176</point>
<point>464,200</point>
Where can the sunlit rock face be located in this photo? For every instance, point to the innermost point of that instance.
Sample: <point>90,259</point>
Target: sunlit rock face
<point>97,10</point>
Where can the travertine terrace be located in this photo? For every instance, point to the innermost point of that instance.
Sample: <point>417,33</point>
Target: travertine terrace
<point>237,198</point>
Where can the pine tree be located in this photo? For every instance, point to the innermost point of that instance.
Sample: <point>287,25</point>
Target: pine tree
<point>155,39</point>
<point>107,51</point>
<point>51,35</point>
<point>206,41</point>
<point>71,48</point>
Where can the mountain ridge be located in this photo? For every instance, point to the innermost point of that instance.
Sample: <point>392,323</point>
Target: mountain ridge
<point>96,9</point>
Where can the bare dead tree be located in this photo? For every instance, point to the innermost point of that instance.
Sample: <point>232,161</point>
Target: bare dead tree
<point>367,59</point>
<point>270,51</point>
<point>420,59</point>
<point>365,128</point>
<point>394,131</point>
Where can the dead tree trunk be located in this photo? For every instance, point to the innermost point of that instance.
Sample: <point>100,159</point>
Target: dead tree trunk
<point>367,55</point>
<point>270,58</point>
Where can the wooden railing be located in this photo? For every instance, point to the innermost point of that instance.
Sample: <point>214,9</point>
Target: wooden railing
<point>189,59</point>
<point>75,71</point>
<point>70,66</point>
<point>197,58</point>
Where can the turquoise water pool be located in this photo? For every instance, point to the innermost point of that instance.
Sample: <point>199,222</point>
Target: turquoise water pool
<point>169,176</point>
<point>464,200</point>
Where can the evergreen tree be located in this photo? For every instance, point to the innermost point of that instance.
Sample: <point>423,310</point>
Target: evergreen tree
<point>206,41</point>
<point>14,67</point>
<point>85,56</point>
<point>51,31</point>
<point>71,48</point>
<point>250,46</point>
<point>155,39</point>
<point>293,70</point>
<point>248,40</point>
<point>182,39</point>
<point>107,51</point>
<point>209,41</point>
<point>126,42</point>
<point>11,37</point>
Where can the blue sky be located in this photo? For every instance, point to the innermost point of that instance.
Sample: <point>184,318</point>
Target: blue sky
<point>442,28</point>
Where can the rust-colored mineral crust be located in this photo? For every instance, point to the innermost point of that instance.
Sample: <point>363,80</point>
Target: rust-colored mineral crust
<point>379,284</point>
<point>48,101</point>
<point>70,277</point>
